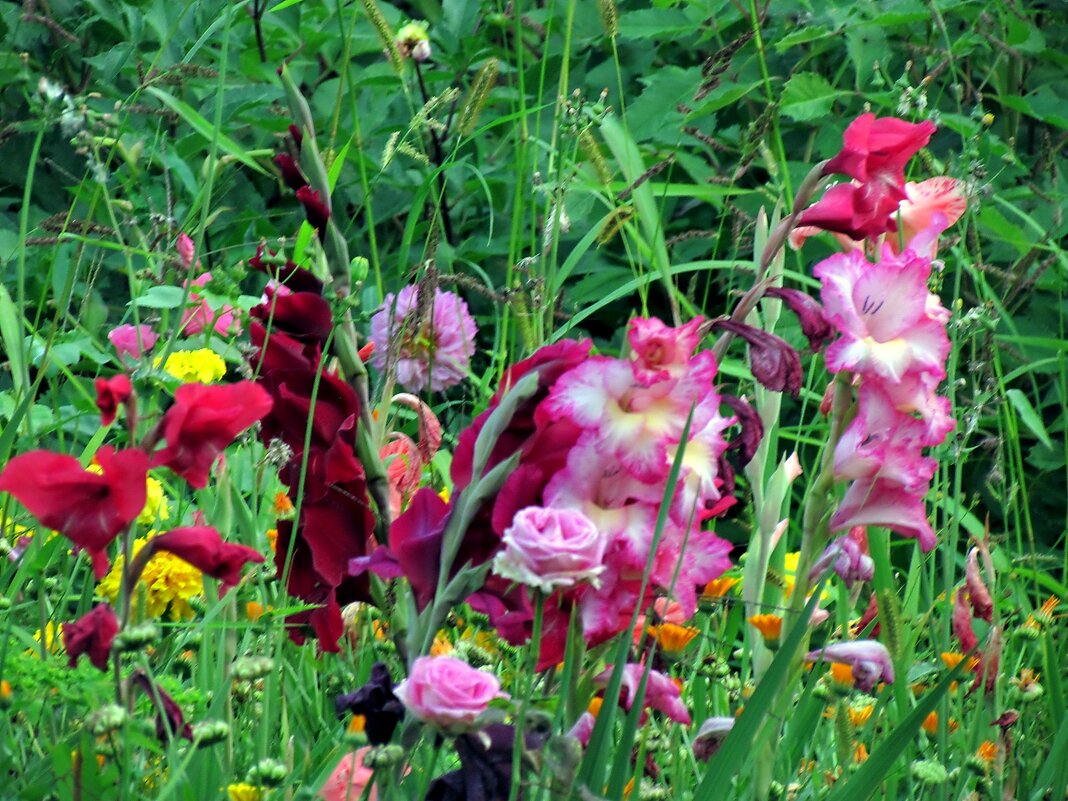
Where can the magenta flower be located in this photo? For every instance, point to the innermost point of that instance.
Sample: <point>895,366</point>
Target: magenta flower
<point>875,502</point>
<point>847,558</point>
<point>869,659</point>
<point>877,149</point>
<point>132,340</point>
<point>433,352</point>
<point>186,250</point>
<point>447,692</point>
<point>661,693</point>
<point>890,323</point>
<point>201,317</point>
<point>549,549</point>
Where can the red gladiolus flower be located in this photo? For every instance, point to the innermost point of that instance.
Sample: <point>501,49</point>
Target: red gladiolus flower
<point>204,549</point>
<point>91,634</point>
<point>291,174</point>
<point>89,509</point>
<point>111,393</point>
<point>317,211</point>
<point>877,149</point>
<point>202,422</point>
<point>170,722</point>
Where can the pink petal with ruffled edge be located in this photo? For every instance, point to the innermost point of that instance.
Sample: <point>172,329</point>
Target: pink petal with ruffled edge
<point>882,503</point>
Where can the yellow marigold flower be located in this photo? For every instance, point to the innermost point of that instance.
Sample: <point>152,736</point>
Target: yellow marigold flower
<point>357,724</point>
<point>282,504</point>
<point>768,625</point>
<point>272,539</point>
<point>842,673</point>
<point>861,754</point>
<point>202,366</point>
<point>717,588</point>
<point>859,715</point>
<point>987,751</point>
<point>951,659</point>
<point>441,645</point>
<point>156,506</point>
<point>672,637</point>
<point>243,792</point>
<point>167,583</point>
<point>53,639</point>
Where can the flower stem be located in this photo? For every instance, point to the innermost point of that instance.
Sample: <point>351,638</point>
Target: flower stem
<point>530,675</point>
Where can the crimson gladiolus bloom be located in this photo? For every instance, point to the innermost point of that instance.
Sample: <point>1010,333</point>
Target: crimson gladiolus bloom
<point>91,634</point>
<point>203,421</point>
<point>111,393</point>
<point>204,549</point>
<point>90,509</point>
<point>878,148</point>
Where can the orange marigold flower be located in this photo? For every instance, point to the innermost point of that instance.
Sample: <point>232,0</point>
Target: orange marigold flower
<point>672,637</point>
<point>5,691</point>
<point>282,504</point>
<point>717,588</point>
<point>951,659</point>
<point>861,754</point>
<point>987,751</point>
<point>254,610</point>
<point>842,673</point>
<point>357,724</point>
<point>272,539</point>
<point>595,706</point>
<point>1045,612</point>
<point>441,646</point>
<point>930,723</point>
<point>768,625</point>
<point>859,715</point>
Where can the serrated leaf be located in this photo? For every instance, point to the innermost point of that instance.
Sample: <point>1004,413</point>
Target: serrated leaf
<point>807,95</point>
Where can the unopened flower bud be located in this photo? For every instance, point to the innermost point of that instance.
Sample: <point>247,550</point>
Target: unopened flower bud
<point>268,772</point>
<point>210,732</point>
<point>1025,632</point>
<point>930,772</point>
<point>107,719</point>
<point>383,756</point>
<point>250,668</point>
<point>136,638</point>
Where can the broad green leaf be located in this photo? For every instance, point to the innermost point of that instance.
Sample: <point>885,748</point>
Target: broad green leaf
<point>807,96</point>
<point>1029,416</point>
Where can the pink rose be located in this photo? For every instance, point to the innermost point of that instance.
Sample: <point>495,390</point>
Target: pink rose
<point>547,548</point>
<point>349,779</point>
<point>200,316</point>
<point>447,691</point>
<point>132,340</point>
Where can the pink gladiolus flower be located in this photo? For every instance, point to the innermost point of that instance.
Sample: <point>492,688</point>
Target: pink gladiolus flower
<point>982,603</point>
<point>661,693</point>
<point>874,502</point>
<point>869,658</point>
<point>852,211</point>
<point>201,317</point>
<point>890,323</point>
<point>583,728</point>
<point>877,149</point>
<point>549,549</point>
<point>434,352</point>
<point>447,692</point>
<point>915,394</point>
<point>848,560</point>
<point>132,340</point>
<point>661,351</point>
<point>349,779</point>
<point>926,200</point>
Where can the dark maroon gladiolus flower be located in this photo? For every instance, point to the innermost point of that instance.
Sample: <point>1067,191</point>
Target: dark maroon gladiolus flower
<point>317,211</point>
<point>291,275</point>
<point>91,634</point>
<point>772,361</point>
<point>204,549</point>
<point>485,772</point>
<point>809,313</point>
<point>170,721</point>
<point>752,429</point>
<point>291,174</point>
<point>87,508</point>
<point>295,132</point>
<point>203,421</point>
<point>111,393</point>
<point>375,700</point>
<point>305,316</point>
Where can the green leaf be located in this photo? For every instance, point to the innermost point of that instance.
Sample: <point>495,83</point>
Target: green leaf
<point>807,96</point>
<point>1029,416</point>
<point>160,297</point>
<point>206,129</point>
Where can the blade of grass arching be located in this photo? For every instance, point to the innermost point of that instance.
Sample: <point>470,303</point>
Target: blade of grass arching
<point>11,341</point>
<point>1055,663</point>
<point>572,260</point>
<point>195,121</point>
<point>739,745</point>
<point>1052,779</point>
<point>629,158</point>
<point>866,781</point>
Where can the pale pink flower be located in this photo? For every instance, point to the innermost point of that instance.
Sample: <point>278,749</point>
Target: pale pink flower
<point>661,693</point>
<point>874,502</point>
<point>583,728</point>
<point>349,779</point>
<point>201,316</point>
<point>916,394</point>
<point>549,549</point>
<point>869,659</point>
<point>889,322</point>
<point>132,340</point>
<point>434,352</point>
<point>848,560</point>
<point>926,200</point>
<point>660,351</point>
<point>447,692</point>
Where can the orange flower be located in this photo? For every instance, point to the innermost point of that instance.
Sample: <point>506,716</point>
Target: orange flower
<point>441,646</point>
<point>272,539</point>
<point>1045,613</point>
<point>987,752</point>
<point>254,610</point>
<point>717,588</point>
<point>930,723</point>
<point>861,754</point>
<point>859,715</point>
<point>357,724</point>
<point>951,659</point>
<point>595,706</point>
<point>5,691</point>
<point>282,504</point>
<point>672,637</point>
<point>842,673</point>
<point>768,625</point>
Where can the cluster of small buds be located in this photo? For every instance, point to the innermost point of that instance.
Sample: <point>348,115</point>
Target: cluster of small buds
<point>383,756</point>
<point>929,772</point>
<point>107,719</point>
<point>136,638</point>
<point>250,668</point>
<point>210,732</point>
<point>268,772</point>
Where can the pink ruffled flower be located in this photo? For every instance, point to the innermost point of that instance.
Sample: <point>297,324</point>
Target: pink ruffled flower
<point>433,353</point>
<point>918,212</point>
<point>132,340</point>
<point>847,558</point>
<point>869,659</point>
<point>875,502</point>
<point>661,693</point>
<point>447,692</point>
<point>186,250</point>
<point>550,549</point>
<point>349,779</point>
<point>890,322</point>
<point>201,317</point>
<point>661,351</point>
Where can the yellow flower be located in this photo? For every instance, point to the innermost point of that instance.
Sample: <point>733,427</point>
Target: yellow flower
<point>272,539</point>
<point>167,583</point>
<point>445,494</point>
<point>441,645</point>
<point>672,637</point>
<point>768,625</point>
<point>717,588</point>
<point>202,366</point>
<point>243,792</point>
<point>859,715</point>
<point>156,506</point>
<point>53,638</point>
